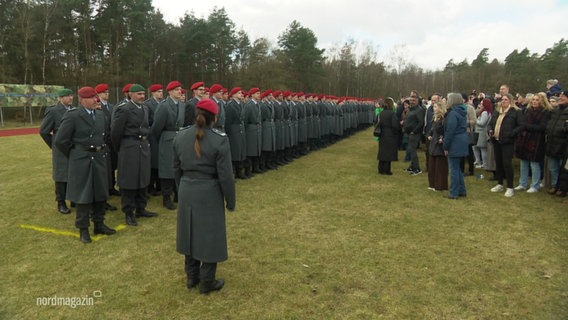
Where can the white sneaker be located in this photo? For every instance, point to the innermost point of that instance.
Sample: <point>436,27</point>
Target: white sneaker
<point>509,193</point>
<point>497,188</point>
<point>519,188</point>
<point>430,188</point>
<point>479,166</point>
<point>532,190</point>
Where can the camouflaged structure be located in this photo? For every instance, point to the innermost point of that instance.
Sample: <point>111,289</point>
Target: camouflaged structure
<point>24,95</point>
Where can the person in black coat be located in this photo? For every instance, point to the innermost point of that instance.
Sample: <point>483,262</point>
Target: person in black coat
<point>438,162</point>
<point>81,138</point>
<point>505,125</point>
<point>388,139</point>
<point>49,127</point>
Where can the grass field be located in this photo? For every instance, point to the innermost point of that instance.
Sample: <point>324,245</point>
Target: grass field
<point>324,237</point>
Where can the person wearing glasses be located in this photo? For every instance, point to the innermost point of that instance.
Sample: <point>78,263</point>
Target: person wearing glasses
<point>198,90</point>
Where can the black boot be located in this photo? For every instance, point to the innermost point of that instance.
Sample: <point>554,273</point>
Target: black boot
<point>101,228</point>
<point>167,202</point>
<point>110,207</point>
<point>84,235</point>
<point>130,219</point>
<point>62,207</point>
<point>248,172</point>
<point>192,282</point>
<point>240,174</point>
<point>145,213</point>
<point>256,167</point>
<point>206,287</point>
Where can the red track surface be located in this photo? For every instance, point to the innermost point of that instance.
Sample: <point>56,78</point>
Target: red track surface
<point>18,132</point>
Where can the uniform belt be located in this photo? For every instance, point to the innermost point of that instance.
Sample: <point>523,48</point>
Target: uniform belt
<point>199,175</point>
<point>95,148</point>
<point>140,137</point>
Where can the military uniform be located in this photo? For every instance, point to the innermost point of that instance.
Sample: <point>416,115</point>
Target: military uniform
<point>152,105</point>
<point>48,129</point>
<point>130,131</point>
<point>168,119</point>
<point>253,130</point>
<point>206,187</point>
<point>235,128</point>
<point>268,135</point>
<point>81,137</point>
<point>220,123</point>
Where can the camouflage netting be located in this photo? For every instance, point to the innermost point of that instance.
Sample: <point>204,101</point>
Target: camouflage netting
<point>23,95</point>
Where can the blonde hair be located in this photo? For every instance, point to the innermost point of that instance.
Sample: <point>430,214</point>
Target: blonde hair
<point>543,100</point>
<point>511,103</point>
<point>552,82</point>
<point>441,110</point>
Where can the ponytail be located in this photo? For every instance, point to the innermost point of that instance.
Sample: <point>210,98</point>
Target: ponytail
<point>200,122</point>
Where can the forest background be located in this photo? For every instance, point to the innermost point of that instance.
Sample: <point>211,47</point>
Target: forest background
<point>85,42</point>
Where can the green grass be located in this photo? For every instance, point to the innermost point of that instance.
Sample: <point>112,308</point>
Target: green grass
<point>324,237</point>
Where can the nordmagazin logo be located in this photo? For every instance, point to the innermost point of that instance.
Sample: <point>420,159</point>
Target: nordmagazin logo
<point>69,301</point>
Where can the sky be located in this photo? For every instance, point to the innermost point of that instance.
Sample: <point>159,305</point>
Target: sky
<point>427,33</point>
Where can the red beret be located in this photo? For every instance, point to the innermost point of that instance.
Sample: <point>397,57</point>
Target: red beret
<point>87,92</point>
<point>286,93</point>
<point>277,93</point>
<point>206,90</point>
<point>208,105</point>
<point>294,94</point>
<point>253,91</point>
<point>101,87</point>
<point>234,91</point>
<point>197,85</point>
<point>267,92</point>
<point>215,88</point>
<point>172,85</point>
<point>155,87</point>
<point>182,91</point>
<point>300,94</point>
<point>127,88</point>
<point>224,90</point>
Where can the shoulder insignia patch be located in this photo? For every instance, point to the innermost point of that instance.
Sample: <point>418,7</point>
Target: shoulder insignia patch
<point>219,132</point>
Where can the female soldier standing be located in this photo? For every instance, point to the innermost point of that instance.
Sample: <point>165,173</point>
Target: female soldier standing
<point>204,175</point>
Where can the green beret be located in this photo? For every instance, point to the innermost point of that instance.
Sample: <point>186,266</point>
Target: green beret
<point>136,88</point>
<point>64,93</point>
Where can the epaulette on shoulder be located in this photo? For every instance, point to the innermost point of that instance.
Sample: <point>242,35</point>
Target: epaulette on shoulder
<point>72,109</point>
<point>185,128</point>
<point>219,132</point>
<point>123,103</point>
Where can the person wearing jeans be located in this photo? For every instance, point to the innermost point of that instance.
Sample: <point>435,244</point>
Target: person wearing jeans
<point>530,144</point>
<point>456,143</point>
<point>556,133</point>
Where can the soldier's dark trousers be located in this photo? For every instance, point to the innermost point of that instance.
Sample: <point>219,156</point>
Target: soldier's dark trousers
<point>204,271</point>
<point>154,180</point>
<point>60,191</point>
<point>167,186</point>
<point>95,210</point>
<point>132,200</point>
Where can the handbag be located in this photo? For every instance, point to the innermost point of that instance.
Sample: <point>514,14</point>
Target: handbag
<point>377,131</point>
